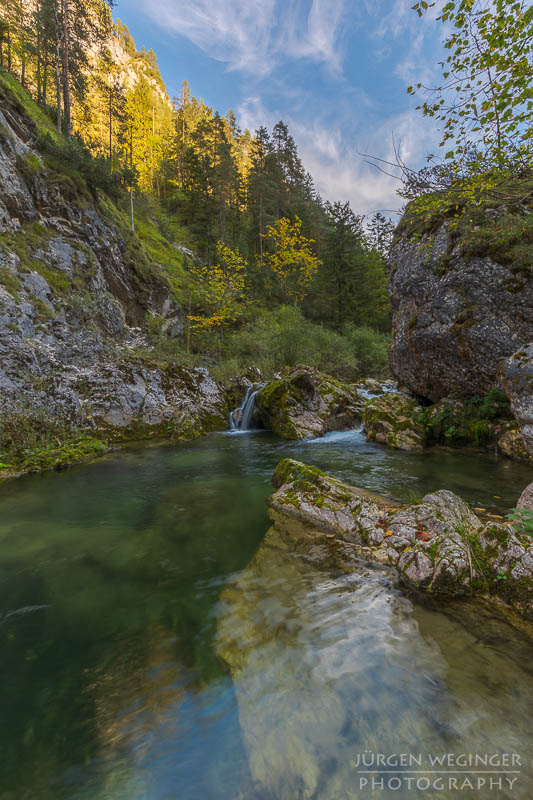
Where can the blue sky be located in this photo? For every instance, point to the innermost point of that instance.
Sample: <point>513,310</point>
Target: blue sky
<point>336,71</point>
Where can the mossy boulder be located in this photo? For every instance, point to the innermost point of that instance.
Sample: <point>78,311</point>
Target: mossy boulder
<point>459,306</point>
<point>304,402</point>
<point>517,379</point>
<point>512,445</point>
<point>438,546</point>
<point>474,420</point>
<point>396,420</point>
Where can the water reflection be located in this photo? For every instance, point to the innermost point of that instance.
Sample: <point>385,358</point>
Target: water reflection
<point>330,661</point>
<point>129,585</point>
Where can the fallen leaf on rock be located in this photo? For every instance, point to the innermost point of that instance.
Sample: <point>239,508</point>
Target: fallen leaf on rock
<point>330,535</point>
<point>423,536</point>
<point>389,533</point>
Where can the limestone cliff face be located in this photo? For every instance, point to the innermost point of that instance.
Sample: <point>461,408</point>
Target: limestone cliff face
<point>75,295</point>
<point>455,317</point>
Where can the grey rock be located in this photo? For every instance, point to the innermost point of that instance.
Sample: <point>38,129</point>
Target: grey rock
<point>438,546</point>
<point>517,379</point>
<point>454,321</point>
<point>526,498</point>
<point>69,341</point>
<point>303,403</point>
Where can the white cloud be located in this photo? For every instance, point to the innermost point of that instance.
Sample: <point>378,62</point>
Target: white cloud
<point>253,35</point>
<point>335,160</point>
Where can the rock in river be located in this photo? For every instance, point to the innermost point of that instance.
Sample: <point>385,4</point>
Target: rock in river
<point>304,402</point>
<point>438,546</point>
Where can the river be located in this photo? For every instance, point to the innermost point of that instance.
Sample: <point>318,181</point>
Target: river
<point>159,644</point>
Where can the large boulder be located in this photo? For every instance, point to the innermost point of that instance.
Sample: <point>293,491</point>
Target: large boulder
<point>526,499</point>
<point>396,420</point>
<point>438,546</point>
<point>517,379</point>
<point>512,444</point>
<point>456,314</point>
<point>304,402</point>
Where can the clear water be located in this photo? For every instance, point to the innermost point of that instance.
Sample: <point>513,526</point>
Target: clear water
<point>158,641</point>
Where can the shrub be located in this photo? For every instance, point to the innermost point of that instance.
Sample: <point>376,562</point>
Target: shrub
<point>283,338</point>
<point>74,154</point>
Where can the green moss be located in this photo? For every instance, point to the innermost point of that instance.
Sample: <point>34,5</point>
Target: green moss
<point>498,225</point>
<point>9,281</point>
<point>42,309</point>
<point>289,470</point>
<point>29,165</point>
<point>73,452</point>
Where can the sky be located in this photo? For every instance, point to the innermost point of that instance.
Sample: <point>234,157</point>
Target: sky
<point>336,71</point>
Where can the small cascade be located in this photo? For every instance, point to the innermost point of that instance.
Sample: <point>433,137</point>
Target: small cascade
<point>240,419</point>
<point>247,412</point>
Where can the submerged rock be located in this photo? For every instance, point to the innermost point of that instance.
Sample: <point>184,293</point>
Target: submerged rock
<point>304,402</point>
<point>437,546</point>
<point>394,419</point>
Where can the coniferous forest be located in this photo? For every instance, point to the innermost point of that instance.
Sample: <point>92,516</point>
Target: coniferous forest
<point>275,256</point>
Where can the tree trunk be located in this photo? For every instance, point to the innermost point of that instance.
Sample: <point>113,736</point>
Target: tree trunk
<point>110,130</point>
<point>45,77</point>
<point>66,68</point>
<point>23,56</point>
<point>58,66</point>
<point>39,82</point>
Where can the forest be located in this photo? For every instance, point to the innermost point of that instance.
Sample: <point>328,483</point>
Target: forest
<point>275,274</point>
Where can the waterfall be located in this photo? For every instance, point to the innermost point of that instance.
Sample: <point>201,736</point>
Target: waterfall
<point>239,420</point>
<point>248,410</point>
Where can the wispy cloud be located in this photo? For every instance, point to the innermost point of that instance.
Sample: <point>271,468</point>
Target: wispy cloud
<point>370,51</point>
<point>254,35</point>
<point>336,160</point>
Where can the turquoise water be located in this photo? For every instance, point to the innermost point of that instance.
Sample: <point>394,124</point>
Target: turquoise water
<point>156,643</point>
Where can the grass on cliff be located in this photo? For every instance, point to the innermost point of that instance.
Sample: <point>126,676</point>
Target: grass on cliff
<point>31,441</point>
<point>11,88</point>
<point>496,222</point>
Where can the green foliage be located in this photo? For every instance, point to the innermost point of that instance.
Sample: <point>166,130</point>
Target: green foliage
<point>371,349</point>
<point>284,338</point>
<point>73,154</point>
<point>10,89</point>
<point>522,520</point>
<point>486,98</point>
<point>471,421</point>
<point>204,183</point>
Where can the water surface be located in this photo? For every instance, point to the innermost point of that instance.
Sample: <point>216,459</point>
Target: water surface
<point>156,643</point>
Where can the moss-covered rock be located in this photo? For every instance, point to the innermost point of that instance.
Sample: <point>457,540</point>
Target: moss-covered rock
<point>395,419</point>
<point>461,297</point>
<point>304,402</point>
<point>438,546</point>
<point>512,445</point>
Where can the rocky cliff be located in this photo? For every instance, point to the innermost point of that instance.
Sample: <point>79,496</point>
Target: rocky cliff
<point>462,300</point>
<point>78,294</point>
<point>456,315</point>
